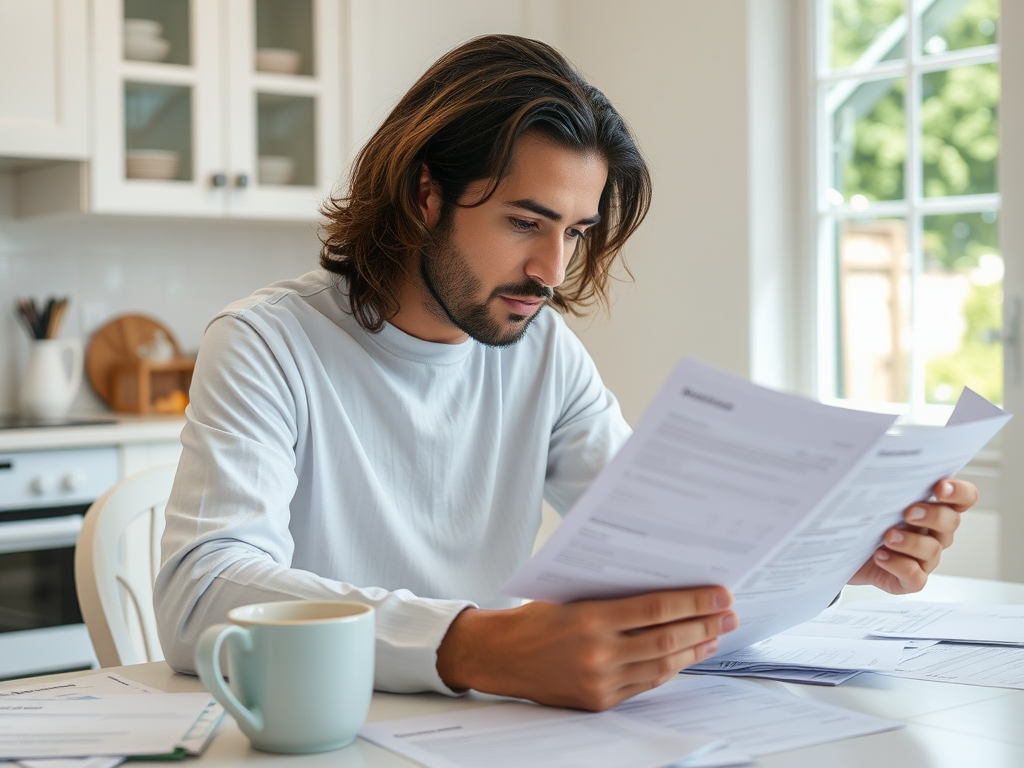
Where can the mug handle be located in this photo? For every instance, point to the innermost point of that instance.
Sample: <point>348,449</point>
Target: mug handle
<point>209,671</point>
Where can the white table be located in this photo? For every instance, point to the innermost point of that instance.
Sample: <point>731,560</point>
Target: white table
<point>948,726</point>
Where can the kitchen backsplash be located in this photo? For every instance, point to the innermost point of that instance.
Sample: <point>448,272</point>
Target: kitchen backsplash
<point>180,272</point>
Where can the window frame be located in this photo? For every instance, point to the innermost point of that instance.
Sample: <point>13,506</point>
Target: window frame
<point>913,208</point>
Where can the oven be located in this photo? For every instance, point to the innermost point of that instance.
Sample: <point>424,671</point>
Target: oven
<point>43,497</point>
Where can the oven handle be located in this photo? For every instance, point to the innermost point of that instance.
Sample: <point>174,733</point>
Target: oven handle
<point>33,535</point>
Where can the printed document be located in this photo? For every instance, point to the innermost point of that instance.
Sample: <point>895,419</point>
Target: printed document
<point>118,725</point>
<point>995,666</point>
<point>919,620</point>
<point>812,653</point>
<point>749,716</point>
<point>512,735</point>
<point>85,687</point>
<point>776,497</point>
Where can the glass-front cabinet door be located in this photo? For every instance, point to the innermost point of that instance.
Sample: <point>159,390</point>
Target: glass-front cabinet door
<point>158,124</point>
<point>285,91</point>
<point>216,107</point>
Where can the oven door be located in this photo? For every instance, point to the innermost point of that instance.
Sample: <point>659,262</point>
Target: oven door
<point>41,627</point>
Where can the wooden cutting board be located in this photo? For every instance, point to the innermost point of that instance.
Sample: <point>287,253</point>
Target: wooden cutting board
<point>116,343</point>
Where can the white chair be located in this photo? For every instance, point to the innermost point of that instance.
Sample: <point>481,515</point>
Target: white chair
<point>116,562</point>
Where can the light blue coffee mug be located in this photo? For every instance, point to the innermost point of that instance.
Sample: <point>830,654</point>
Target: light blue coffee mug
<point>301,672</point>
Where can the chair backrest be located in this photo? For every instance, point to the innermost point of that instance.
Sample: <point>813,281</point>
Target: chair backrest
<point>116,561</point>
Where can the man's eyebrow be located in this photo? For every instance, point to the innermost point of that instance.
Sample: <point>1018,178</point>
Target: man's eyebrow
<point>547,213</point>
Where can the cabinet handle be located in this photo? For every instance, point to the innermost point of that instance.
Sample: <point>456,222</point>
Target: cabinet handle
<point>242,180</point>
<point>219,180</point>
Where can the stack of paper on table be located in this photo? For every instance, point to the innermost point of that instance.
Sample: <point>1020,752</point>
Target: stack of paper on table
<point>696,722</point>
<point>969,644</point>
<point>948,642</point>
<point>95,721</point>
<point>779,498</point>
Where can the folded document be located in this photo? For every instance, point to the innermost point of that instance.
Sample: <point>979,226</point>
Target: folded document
<point>776,497</point>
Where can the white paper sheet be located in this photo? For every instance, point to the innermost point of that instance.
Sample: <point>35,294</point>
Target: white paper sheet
<point>814,653</point>
<point>988,665</point>
<point>779,498</point>
<point>751,717</point>
<point>85,687</point>
<point>950,622</point>
<point>513,735</point>
<point>103,684</point>
<point>804,676</point>
<point>113,725</point>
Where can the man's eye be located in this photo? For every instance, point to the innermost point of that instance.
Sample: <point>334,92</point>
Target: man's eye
<point>523,224</point>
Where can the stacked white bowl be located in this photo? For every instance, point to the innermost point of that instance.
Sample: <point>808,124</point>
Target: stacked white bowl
<point>143,41</point>
<point>151,164</point>
<point>275,169</point>
<point>283,60</point>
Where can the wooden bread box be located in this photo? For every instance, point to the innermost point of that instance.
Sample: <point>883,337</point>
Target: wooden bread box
<point>136,366</point>
<point>151,386</point>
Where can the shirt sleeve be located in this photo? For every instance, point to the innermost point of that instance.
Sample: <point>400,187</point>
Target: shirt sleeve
<point>589,429</point>
<point>227,541</point>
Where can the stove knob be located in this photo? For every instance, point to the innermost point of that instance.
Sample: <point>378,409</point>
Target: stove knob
<point>41,484</point>
<point>72,481</point>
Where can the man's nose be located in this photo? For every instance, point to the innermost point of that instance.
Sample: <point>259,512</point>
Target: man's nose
<point>549,260</point>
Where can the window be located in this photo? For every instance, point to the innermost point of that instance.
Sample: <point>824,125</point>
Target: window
<point>907,205</point>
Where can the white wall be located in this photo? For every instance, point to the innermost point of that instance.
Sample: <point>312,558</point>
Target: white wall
<point>179,272</point>
<point>1011,238</point>
<point>394,41</point>
<point>713,258</point>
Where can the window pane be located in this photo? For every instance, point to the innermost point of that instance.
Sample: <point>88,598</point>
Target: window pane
<point>961,300</point>
<point>874,310</point>
<point>959,142</point>
<point>866,32</point>
<point>869,141</point>
<point>952,25</point>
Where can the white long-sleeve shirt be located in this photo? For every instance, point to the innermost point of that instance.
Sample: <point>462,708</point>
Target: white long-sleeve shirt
<point>321,461</point>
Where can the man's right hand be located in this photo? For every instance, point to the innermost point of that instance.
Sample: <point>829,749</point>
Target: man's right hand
<point>586,655</point>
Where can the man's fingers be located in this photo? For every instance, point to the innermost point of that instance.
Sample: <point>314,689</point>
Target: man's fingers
<point>656,608</point>
<point>667,641</point>
<point>925,548</point>
<point>906,570</point>
<point>646,675</point>
<point>936,520</point>
<point>958,494</point>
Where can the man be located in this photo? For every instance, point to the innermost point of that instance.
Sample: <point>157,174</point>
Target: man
<point>384,429</point>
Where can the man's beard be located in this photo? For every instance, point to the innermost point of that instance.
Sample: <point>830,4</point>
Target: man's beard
<point>454,287</point>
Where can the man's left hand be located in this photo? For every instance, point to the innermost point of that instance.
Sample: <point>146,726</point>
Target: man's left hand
<point>911,551</point>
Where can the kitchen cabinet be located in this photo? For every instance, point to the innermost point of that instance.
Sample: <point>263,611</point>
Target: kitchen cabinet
<point>210,108</point>
<point>43,79</point>
<point>135,457</point>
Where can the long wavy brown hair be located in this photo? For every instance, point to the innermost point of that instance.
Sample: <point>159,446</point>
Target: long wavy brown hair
<point>461,120</point>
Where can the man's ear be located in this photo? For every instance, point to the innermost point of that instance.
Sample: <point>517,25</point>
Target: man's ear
<point>429,198</point>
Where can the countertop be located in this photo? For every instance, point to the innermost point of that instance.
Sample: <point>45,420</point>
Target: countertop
<point>126,429</point>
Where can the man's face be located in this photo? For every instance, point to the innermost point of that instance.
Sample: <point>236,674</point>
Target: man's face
<point>490,268</point>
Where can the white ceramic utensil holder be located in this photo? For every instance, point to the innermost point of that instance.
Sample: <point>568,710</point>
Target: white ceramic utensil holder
<point>52,378</point>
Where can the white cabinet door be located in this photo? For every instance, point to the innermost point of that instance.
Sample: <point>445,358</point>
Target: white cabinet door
<point>43,79</point>
<point>135,457</point>
<point>237,116</point>
<point>158,118</point>
<point>286,134</point>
